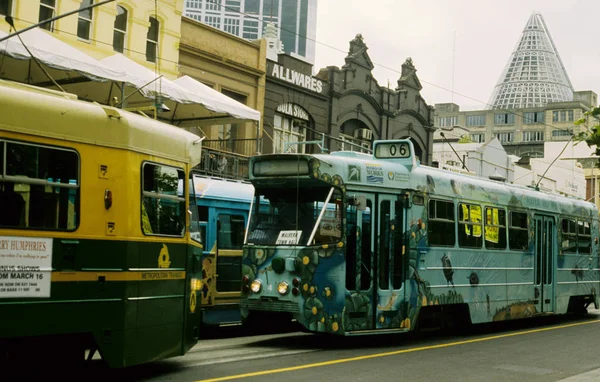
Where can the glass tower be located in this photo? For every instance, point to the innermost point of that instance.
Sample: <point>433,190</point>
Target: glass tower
<point>296,20</point>
<point>534,74</point>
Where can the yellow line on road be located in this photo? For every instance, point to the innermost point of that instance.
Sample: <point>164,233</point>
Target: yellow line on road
<point>378,355</point>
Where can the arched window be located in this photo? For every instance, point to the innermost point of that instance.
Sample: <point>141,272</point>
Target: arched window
<point>120,30</point>
<point>84,20</point>
<point>152,40</point>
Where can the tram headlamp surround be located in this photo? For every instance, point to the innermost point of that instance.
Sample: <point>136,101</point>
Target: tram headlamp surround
<point>195,284</point>
<point>283,288</point>
<point>256,286</point>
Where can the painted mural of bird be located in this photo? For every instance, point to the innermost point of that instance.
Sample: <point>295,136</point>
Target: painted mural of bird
<point>447,267</point>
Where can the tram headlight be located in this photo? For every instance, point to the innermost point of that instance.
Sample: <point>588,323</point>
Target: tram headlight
<point>283,287</point>
<point>195,284</point>
<point>256,286</point>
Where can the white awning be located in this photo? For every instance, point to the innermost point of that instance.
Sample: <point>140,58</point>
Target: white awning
<point>215,100</point>
<point>63,62</point>
<point>102,80</point>
<point>184,106</point>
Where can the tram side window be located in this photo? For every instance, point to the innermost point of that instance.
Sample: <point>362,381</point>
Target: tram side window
<point>163,210</point>
<point>495,228</point>
<point>203,223</point>
<point>351,241</point>
<point>231,232</point>
<point>469,226</point>
<point>384,242</point>
<point>569,236</point>
<point>39,188</point>
<point>398,275</point>
<point>440,229</point>
<point>366,245</point>
<point>584,237</point>
<point>195,229</point>
<point>518,237</point>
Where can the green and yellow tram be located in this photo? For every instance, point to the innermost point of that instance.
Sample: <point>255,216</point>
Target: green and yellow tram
<point>368,244</point>
<point>95,249</point>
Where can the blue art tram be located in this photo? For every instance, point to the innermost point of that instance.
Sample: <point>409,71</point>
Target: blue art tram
<point>350,243</point>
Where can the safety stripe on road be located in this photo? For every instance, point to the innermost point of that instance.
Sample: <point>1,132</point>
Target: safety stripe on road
<point>404,351</point>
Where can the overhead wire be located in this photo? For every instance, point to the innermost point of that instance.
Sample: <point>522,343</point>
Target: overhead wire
<point>453,92</point>
<point>233,10</point>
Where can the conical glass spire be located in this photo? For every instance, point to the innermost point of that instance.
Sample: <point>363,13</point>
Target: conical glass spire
<point>534,74</point>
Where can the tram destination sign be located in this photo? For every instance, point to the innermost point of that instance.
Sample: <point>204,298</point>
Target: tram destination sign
<point>25,266</point>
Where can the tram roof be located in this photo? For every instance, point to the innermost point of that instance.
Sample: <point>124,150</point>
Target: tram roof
<point>53,114</point>
<point>390,174</point>
<point>223,189</point>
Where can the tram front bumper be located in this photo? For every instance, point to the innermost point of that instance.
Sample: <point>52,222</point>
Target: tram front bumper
<point>270,304</point>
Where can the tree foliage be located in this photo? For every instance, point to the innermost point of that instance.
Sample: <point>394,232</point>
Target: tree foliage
<point>465,139</point>
<point>591,133</point>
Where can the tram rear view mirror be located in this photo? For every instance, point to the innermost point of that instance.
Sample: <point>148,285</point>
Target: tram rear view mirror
<point>360,201</point>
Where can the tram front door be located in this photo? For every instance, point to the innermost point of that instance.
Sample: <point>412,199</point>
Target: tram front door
<point>545,259</point>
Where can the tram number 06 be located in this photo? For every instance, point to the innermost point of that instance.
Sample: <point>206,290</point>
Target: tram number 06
<point>402,149</point>
<point>393,150</point>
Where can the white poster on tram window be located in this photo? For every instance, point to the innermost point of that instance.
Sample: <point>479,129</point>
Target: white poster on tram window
<point>25,266</point>
<point>288,237</point>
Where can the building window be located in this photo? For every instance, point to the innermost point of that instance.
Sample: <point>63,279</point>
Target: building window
<point>231,25</point>
<point>120,29</point>
<point>250,29</point>
<point>233,6</point>
<point>287,129</point>
<point>476,120</point>
<point>152,40</point>
<point>504,119</point>
<point>84,21</point>
<point>163,208</point>
<point>213,21</point>
<point>561,133</point>
<point>533,136</point>
<point>195,16</point>
<point>5,7</point>
<point>562,116</point>
<point>47,9</point>
<point>213,5</point>
<point>448,121</point>
<point>533,117</point>
<point>478,138</point>
<point>252,7</point>
<point>505,137</point>
<point>193,4</point>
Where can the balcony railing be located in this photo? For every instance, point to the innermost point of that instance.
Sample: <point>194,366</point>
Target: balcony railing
<point>227,158</point>
<point>243,147</point>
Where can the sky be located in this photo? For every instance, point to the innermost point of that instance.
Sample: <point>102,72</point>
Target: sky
<point>460,45</point>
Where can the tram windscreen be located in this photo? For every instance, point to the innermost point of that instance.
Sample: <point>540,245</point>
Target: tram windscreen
<point>288,216</point>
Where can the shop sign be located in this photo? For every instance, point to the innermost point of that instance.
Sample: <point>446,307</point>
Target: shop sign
<point>296,78</point>
<point>293,110</point>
